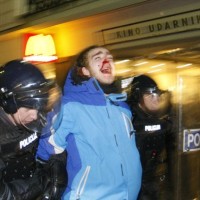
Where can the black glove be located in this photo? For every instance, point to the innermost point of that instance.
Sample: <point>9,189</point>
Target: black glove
<point>56,168</point>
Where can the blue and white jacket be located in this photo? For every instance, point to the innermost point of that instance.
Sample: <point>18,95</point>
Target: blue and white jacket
<point>103,162</point>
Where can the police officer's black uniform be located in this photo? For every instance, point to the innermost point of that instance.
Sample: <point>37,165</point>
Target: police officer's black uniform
<point>17,165</point>
<point>153,138</point>
<point>21,176</point>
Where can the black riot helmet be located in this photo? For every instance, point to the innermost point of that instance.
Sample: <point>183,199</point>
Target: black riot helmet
<point>142,84</point>
<point>22,84</point>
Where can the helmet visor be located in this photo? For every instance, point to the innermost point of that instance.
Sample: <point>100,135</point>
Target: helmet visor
<point>155,101</point>
<point>33,106</point>
<point>152,91</point>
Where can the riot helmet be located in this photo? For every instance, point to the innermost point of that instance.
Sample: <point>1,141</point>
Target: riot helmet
<point>147,95</point>
<point>22,84</point>
<point>143,84</point>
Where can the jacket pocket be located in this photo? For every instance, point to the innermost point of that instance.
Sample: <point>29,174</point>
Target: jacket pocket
<point>82,183</point>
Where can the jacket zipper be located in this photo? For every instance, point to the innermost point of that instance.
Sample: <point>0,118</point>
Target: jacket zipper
<point>82,183</point>
<point>121,163</point>
<point>115,137</point>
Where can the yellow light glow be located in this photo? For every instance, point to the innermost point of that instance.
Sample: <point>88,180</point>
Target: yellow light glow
<point>40,48</point>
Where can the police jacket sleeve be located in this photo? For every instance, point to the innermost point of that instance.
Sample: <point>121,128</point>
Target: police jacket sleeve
<point>56,169</point>
<point>5,193</point>
<point>21,189</point>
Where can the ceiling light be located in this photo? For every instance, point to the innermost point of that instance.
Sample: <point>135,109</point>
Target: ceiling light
<point>169,51</point>
<point>141,63</point>
<point>121,61</point>
<point>186,65</point>
<point>152,71</point>
<point>159,65</point>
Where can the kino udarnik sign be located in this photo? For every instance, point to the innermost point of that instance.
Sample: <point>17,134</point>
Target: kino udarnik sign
<point>166,25</point>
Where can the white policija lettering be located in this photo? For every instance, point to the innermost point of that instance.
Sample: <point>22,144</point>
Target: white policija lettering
<point>152,127</point>
<point>28,140</point>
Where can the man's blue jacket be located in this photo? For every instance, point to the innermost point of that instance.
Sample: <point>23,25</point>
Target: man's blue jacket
<point>95,129</point>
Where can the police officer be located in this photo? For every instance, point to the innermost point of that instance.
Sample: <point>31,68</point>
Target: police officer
<point>26,96</point>
<point>153,135</point>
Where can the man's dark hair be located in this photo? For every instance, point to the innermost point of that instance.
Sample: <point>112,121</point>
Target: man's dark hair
<point>82,61</point>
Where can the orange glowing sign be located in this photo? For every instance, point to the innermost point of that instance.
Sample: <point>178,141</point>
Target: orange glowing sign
<point>40,48</point>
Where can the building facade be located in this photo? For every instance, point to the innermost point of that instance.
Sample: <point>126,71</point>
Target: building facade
<point>164,35</point>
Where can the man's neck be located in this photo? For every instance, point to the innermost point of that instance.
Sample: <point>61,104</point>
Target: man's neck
<point>114,87</point>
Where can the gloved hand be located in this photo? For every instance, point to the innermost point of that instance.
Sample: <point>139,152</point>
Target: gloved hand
<point>57,179</point>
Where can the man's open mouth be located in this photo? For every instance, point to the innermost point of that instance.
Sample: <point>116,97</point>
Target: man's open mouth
<point>106,71</point>
<point>105,68</point>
